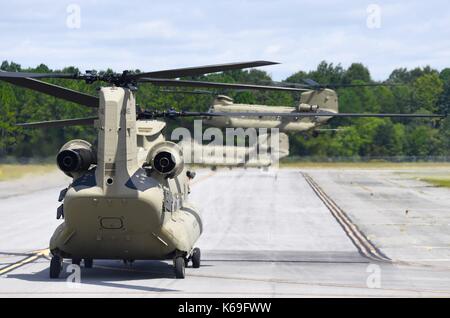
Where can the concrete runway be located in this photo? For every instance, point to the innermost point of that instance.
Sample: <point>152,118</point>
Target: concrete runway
<point>267,234</point>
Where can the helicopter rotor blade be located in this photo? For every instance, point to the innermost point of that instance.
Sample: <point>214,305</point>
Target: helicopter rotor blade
<point>188,83</point>
<point>359,85</point>
<point>53,90</point>
<point>324,114</point>
<point>200,70</point>
<point>199,92</point>
<point>313,85</point>
<point>171,113</point>
<point>5,74</point>
<point>311,82</point>
<point>60,123</point>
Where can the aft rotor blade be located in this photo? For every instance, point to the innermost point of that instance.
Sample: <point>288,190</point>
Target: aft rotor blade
<point>200,70</point>
<point>172,82</point>
<point>200,92</point>
<point>313,85</point>
<point>321,114</point>
<point>358,85</point>
<point>60,123</point>
<point>173,114</point>
<point>55,91</point>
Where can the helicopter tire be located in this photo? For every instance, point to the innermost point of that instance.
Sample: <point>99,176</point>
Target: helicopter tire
<point>76,261</point>
<point>179,266</point>
<point>196,254</point>
<point>55,266</point>
<point>88,262</point>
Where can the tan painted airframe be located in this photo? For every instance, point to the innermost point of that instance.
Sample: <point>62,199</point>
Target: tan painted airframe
<point>118,210</point>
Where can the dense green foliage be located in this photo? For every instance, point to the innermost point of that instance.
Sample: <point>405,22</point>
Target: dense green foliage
<point>427,90</point>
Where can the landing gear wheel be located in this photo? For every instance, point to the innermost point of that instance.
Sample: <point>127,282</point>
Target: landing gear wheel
<point>179,267</point>
<point>196,257</point>
<point>76,261</point>
<point>55,266</point>
<point>88,262</point>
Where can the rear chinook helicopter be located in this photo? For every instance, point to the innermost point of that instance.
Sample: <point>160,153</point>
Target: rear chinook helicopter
<point>129,197</point>
<point>310,101</point>
<point>315,98</point>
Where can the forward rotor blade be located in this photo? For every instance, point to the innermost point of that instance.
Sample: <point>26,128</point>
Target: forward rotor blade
<point>5,74</point>
<point>172,82</point>
<point>200,70</point>
<point>55,91</point>
<point>60,123</point>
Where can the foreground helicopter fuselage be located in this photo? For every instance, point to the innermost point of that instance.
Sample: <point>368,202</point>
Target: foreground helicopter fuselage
<point>117,209</point>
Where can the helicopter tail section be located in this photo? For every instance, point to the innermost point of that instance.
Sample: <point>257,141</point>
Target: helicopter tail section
<point>117,146</point>
<point>323,99</point>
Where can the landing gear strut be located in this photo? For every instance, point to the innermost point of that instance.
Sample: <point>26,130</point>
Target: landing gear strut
<point>196,257</point>
<point>55,266</point>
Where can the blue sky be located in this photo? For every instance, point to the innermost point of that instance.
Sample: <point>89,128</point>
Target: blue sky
<point>154,35</point>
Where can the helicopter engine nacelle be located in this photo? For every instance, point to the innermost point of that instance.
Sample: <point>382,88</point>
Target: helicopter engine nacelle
<point>166,158</point>
<point>76,156</point>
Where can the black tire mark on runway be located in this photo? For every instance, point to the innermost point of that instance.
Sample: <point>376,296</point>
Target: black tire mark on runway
<point>365,247</point>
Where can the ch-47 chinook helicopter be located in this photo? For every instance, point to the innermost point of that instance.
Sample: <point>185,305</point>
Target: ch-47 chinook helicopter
<point>128,197</point>
<point>314,98</point>
<point>310,101</point>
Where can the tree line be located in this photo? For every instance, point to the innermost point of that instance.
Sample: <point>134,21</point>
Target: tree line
<point>425,90</point>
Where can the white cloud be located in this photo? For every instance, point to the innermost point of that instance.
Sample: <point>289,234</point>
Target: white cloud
<point>160,35</point>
